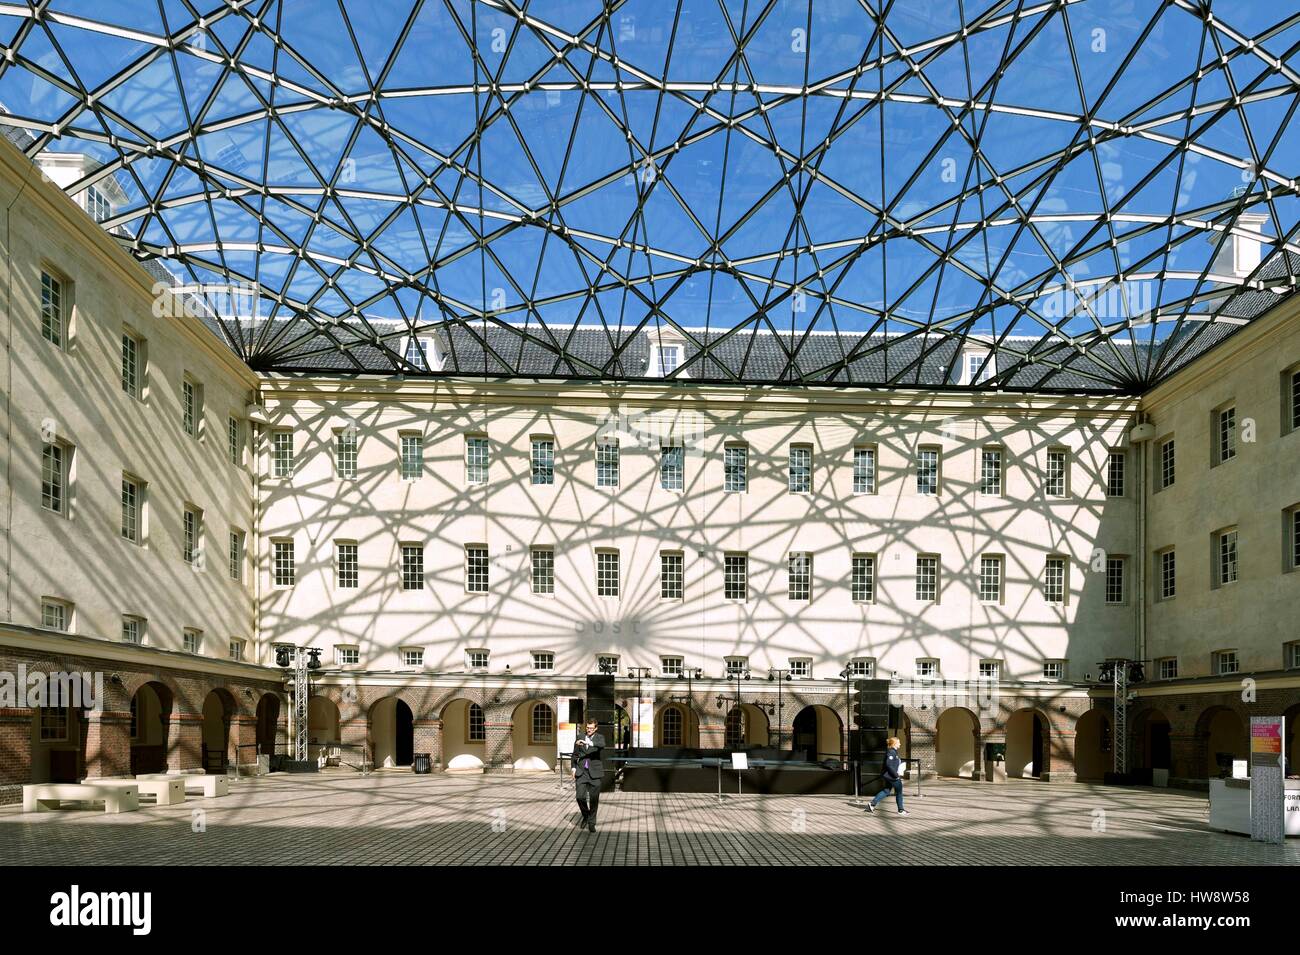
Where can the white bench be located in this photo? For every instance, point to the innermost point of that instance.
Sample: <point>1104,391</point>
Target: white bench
<point>43,797</point>
<point>165,792</point>
<point>196,784</point>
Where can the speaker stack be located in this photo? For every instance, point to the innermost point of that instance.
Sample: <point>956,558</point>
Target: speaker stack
<point>871,713</point>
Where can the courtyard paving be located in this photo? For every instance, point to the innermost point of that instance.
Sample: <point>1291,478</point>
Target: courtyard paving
<point>394,817</point>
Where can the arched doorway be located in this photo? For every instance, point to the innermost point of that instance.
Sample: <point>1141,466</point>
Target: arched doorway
<point>622,728</point>
<point>151,708</point>
<point>816,731</point>
<point>268,723</point>
<point>746,727</point>
<point>1093,747</point>
<point>392,733</point>
<point>218,712</point>
<point>534,737</point>
<point>1153,749</point>
<point>956,739</point>
<point>1027,738</point>
<point>323,720</point>
<point>464,737</point>
<point>675,725</point>
<point>1223,739</point>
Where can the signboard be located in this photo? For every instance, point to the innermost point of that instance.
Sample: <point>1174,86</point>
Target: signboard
<point>566,733</point>
<point>740,761</point>
<point>1266,741</point>
<point>1267,787</point>
<point>643,723</point>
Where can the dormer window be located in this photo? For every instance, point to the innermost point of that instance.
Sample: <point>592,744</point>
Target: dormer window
<point>422,353</point>
<point>97,204</point>
<point>665,359</point>
<point>977,367</point>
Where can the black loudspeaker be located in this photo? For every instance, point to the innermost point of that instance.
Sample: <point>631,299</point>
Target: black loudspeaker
<point>896,718</point>
<point>600,703</point>
<point>871,704</point>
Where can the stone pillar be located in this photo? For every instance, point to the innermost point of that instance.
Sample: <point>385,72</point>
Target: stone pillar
<point>185,742</point>
<point>15,751</point>
<point>108,744</point>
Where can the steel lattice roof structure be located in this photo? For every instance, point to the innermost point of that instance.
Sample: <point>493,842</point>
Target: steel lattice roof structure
<point>1082,195</point>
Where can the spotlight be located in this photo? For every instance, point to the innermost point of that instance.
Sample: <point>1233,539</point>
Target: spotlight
<point>282,652</point>
<point>1136,672</point>
<point>313,659</point>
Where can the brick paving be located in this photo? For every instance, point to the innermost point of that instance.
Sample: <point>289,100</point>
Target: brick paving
<point>396,817</point>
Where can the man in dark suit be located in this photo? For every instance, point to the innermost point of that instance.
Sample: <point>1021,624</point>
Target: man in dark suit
<point>587,773</point>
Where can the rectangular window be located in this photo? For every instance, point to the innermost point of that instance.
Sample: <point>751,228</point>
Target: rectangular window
<point>476,570</point>
<point>1225,662</point>
<point>131,503</point>
<point>927,668</point>
<point>670,575</point>
<point>991,579</point>
<point>477,659</point>
<point>412,566</point>
<point>1167,668</point>
<point>927,471</point>
<point>735,468</point>
<point>56,614</point>
<point>800,668</point>
<point>345,453</point>
<point>54,723</point>
<point>412,456</point>
<point>1291,655</point>
<point>189,408</point>
<point>799,576</point>
<point>607,663</point>
<point>54,478</point>
<point>348,656</point>
<point>672,467</point>
<point>1165,474</point>
<point>237,650</point>
<point>345,565</point>
<point>800,473</point>
<point>543,461</point>
<point>543,569</point>
<point>52,309</point>
<point>607,464</point>
<point>133,630</point>
<point>1116,465</point>
<point>863,584</point>
<point>1168,577</point>
<point>237,555</point>
<point>1226,422</point>
<point>735,576</point>
<point>1054,580</point>
<point>1294,525</point>
<point>282,563</point>
<point>737,666</point>
<point>412,657</point>
<point>1295,400</point>
<point>1054,477</point>
<point>192,640</point>
<point>543,728</point>
<point>476,725</point>
<point>606,573</point>
<point>282,454</point>
<point>862,668</point>
<point>1227,553</point>
<point>927,577</point>
<point>1115,577</point>
<point>130,365</point>
<point>543,660</point>
<point>990,670</point>
<point>670,666</point>
<point>991,472</point>
<point>864,470</point>
<point>233,445</point>
<point>192,529</point>
<point>476,460</point>
<point>1054,670</point>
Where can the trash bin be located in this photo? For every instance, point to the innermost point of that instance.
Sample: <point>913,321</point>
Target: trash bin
<point>995,762</point>
<point>423,763</point>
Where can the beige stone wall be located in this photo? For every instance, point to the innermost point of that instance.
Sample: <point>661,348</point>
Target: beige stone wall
<point>1255,615</point>
<point>75,394</point>
<point>379,511</point>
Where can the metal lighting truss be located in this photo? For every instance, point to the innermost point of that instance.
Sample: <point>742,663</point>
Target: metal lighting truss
<point>799,191</point>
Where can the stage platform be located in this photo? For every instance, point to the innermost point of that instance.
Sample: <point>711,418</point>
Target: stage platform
<point>700,774</point>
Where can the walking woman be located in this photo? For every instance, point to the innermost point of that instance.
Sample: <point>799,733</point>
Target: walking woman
<point>891,775</point>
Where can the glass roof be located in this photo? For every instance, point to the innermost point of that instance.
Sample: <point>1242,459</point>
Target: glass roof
<point>1074,196</point>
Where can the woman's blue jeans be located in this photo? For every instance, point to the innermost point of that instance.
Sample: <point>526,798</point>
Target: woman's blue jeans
<point>896,787</point>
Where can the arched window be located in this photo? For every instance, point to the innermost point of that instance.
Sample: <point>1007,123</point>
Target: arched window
<point>543,724</point>
<point>735,728</point>
<point>672,727</point>
<point>476,726</point>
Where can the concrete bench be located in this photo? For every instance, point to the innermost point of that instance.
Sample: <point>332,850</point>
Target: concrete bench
<point>196,784</point>
<point>164,792</point>
<point>43,797</point>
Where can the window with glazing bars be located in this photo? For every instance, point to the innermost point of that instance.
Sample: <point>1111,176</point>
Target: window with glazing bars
<point>412,566</point>
<point>1167,463</point>
<point>863,582</point>
<point>130,510</point>
<point>1228,556</point>
<point>990,579</point>
<point>670,576</point>
<point>735,468</point>
<point>1054,481</point>
<point>52,309</point>
<point>476,570</point>
<point>233,445</point>
<point>1054,580</point>
<point>282,453</point>
<point>543,461</point>
<point>1115,468</point>
<point>735,577</point>
<point>864,470</point>
<point>607,573</point>
<point>1168,587</point>
<point>130,365</point>
<point>991,471</point>
<point>607,464</point>
<point>927,578</point>
<point>236,555</point>
<point>799,568</point>
<point>543,570</point>
<point>476,460</point>
<point>927,471</point>
<point>1115,567</point>
<point>1227,434</point>
<point>412,456</point>
<point>192,529</point>
<point>800,475</point>
<point>671,467</point>
<point>52,478</point>
<point>345,453</point>
<point>345,565</point>
<point>282,563</point>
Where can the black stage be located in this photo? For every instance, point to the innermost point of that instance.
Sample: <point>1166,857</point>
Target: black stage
<point>697,771</point>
